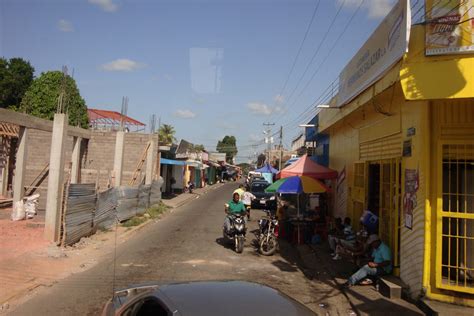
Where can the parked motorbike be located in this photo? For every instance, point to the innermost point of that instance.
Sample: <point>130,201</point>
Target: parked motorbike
<point>237,232</point>
<point>268,234</point>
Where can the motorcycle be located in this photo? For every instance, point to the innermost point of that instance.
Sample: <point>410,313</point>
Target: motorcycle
<point>237,231</point>
<point>268,234</point>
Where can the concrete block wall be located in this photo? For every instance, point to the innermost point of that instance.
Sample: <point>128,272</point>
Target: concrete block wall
<point>39,149</point>
<point>98,154</point>
<point>135,144</point>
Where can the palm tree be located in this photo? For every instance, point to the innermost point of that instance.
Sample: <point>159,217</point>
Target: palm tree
<point>166,134</point>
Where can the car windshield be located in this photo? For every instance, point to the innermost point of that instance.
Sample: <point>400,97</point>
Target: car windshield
<point>259,187</point>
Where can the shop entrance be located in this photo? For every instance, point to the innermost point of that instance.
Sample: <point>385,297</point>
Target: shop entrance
<point>383,199</point>
<point>373,197</point>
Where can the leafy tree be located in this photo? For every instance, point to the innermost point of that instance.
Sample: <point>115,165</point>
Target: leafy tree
<point>199,148</point>
<point>41,98</point>
<point>228,145</point>
<point>16,75</point>
<point>166,134</point>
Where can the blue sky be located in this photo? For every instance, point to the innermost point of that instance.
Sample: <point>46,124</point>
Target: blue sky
<point>208,67</point>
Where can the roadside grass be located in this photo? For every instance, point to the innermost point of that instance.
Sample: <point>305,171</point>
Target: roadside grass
<point>151,213</point>
<point>157,209</point>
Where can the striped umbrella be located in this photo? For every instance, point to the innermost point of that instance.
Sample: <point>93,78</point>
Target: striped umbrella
<point>297,185</point>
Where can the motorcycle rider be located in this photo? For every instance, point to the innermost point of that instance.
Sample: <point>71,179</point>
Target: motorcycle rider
<point>234,206</point>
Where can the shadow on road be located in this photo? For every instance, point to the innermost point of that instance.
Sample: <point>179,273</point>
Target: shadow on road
<point>224,243</point>
<point>317,265</point>
<point>284,266</point>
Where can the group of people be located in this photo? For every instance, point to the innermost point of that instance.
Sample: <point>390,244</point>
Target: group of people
<point>344,243</point>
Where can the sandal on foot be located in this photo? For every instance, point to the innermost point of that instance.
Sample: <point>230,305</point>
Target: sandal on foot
<point>367,282</point>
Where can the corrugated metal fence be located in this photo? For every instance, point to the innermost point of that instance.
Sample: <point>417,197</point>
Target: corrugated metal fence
<point>85,210</point>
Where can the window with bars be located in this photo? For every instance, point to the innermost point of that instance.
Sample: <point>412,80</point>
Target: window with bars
<point>457,214</point>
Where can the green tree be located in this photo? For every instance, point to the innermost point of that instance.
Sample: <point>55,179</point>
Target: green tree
<point>41,98</point>
<point>199,148</point>
<point>166,134</point>
<point>228,145</point>
<point>16,75</point>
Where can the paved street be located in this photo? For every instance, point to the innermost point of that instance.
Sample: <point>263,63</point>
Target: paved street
<point>184,245</point>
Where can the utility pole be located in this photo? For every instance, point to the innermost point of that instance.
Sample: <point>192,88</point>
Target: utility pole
<point>268,138</point>
<point>281,147</point>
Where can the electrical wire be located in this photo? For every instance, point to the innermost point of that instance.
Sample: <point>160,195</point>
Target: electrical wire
<point>329,52</point>
<point>299,50</point>
<point>315,53</point>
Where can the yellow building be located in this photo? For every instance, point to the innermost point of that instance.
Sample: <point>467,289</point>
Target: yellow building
<point>407,145</point>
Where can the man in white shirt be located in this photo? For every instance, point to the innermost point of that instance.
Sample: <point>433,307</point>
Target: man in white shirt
<point>247,198</point>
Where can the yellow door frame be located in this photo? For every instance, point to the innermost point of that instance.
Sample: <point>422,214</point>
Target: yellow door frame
<point>439,221</point>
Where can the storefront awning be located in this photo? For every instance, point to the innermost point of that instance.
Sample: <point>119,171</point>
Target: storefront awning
<point>194,163</point>
<point>165,161</point>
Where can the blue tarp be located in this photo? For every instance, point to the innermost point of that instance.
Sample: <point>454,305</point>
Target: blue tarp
<point>165,161</point>
<point>267,169</point>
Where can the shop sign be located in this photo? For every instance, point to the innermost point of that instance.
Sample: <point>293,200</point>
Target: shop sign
<point>381,51</point>
<point>449,27</point>
<point>410,198</point>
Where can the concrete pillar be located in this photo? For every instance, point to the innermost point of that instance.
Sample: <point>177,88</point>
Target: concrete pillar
<point>20,165</point>
<point>76,160</point>
<point>118,158</point>
<point>56,178</point>
<point>150,157</point>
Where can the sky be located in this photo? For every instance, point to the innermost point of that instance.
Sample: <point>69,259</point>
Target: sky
<point>210,68</point>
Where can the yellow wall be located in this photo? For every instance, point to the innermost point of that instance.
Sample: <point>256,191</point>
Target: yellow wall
<point>367,127</point>
<point>435,77</point>
<point>422,93</point>
<point>412,241</point>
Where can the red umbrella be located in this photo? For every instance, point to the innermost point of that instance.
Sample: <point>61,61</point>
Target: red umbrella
<point>307,167</point>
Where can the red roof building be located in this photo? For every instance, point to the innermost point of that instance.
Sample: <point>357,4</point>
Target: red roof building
<point>112,120</point>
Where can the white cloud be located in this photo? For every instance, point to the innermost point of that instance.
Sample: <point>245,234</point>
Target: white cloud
<point>375,8</point>
<point>65,26</point>
<point>185,114</point>
<point>106,5</point>
<point>279,99</point>
<point>227,126</point>
<point>260,108</point>
<point>255,138</point>
<point>122,64</point>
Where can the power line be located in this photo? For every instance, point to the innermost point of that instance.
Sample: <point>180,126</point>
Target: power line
<point>329,52</point>
<point>300,48</point>
<point>315,53</point>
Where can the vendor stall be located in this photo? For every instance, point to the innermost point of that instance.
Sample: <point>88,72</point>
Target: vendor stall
<point>305,166</point>
<point>298,186</point>
<point>267,172</point>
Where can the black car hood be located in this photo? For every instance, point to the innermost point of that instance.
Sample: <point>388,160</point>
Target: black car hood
<point>222,298</point>
<point>231,298</point>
